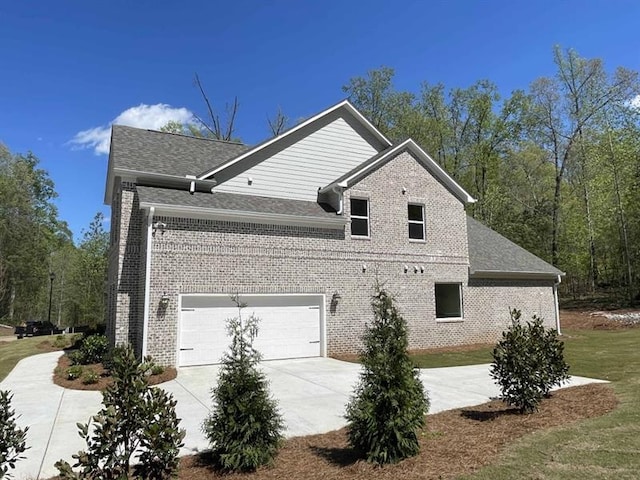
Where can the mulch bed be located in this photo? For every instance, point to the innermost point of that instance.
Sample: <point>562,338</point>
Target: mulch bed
<point>587,320</point>
<point>455,442</point>
<point>60,377</point>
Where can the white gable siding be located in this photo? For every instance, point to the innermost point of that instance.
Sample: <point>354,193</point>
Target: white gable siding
<point>298,171</point>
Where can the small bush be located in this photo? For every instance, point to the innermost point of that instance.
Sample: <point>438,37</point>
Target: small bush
<point>94,348</point>
<point>244,428</point>
<point>12,439</point>
<point>389,405</point>
<point>528,362</point>
<point>135,420</point>
<point>90,377</point>
<point>157,370</point>
<point>74,372</point>
<point>61,342</point>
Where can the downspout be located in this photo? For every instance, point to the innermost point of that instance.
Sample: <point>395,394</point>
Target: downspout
<point>555,299</point>
<point>339,190</point>
<point>147,281</point>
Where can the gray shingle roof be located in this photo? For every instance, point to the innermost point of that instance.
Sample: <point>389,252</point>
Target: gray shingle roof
<point>490,252</point>
<point>232,201</point>
<point>167,153</point>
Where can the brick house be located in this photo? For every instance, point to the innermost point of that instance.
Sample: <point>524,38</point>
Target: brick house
<point>302,226</point>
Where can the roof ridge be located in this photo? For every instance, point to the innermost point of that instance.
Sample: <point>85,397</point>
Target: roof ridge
<point>230,142</point>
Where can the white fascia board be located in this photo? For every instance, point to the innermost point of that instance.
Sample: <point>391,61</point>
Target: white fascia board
<point>409,144</point>
<point>244,216</point>
<point>497,274</point>
<point>344,104</point>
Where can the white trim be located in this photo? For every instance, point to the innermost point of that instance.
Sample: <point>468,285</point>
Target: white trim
<point>409,144</point>
<point>499,274</point>
<point>147,282</point>
<point>320,296</point>
<point>245,216</point>
<point>556,304</point>
<point>344,104</point>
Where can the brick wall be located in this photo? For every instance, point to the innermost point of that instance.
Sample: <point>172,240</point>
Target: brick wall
<point>220,257</point>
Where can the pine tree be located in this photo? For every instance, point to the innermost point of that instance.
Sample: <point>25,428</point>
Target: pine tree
<point>389,405</point>
<point>244,428</point>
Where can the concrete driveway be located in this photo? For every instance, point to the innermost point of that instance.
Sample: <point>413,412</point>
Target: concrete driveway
<point>312,394</point>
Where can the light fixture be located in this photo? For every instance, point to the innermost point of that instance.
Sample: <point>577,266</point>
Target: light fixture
<point>364,267</point>
<point>404,190</point>
<point>164,300</point>
<point>415,269</point>
<point>406,269</point>
<point>336,296</point>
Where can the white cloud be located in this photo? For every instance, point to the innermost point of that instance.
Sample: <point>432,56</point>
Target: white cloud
<point>635,102</point>
<point>153,117</point>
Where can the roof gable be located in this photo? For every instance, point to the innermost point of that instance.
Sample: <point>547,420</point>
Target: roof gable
<point>344,108</point>
<point>356,174</point>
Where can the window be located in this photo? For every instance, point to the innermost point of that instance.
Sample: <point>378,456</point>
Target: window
<point>416,221</point>
<point>448,300</point>
<point>359,217</point>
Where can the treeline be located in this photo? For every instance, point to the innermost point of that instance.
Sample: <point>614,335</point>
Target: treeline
<point>39,264</point>
<point>556,167</point>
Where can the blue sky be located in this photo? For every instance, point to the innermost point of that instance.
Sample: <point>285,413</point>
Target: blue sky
<point>70,67</point>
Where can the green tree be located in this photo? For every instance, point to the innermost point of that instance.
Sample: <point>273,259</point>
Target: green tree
<point>12,439</point>
<point>389,405</point>
<point>136,420</point>
<point>244,428</point>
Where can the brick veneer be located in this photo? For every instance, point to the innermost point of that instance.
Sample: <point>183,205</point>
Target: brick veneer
<point>222,257</point>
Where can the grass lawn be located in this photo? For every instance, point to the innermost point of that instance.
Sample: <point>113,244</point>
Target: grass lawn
<point>606,447</point>
<point>12,352</point>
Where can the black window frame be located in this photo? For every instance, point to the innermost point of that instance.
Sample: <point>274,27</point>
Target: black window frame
<point>416,222</point>
<point>367,218</point>
<point>446,315</point>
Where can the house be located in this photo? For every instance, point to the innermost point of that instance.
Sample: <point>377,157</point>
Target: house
<point>302,226</point>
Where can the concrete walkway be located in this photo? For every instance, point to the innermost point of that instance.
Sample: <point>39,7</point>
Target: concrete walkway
<point>311,393</point>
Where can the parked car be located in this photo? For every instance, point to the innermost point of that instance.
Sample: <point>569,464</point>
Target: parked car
<point>34,328</point>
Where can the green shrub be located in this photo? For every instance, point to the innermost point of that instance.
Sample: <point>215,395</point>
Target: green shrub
<point>389,405</point>
<point>135,420</point>
<point>90,377</point>
<point>13,440</point>
<point>94,348</point>
<point>157,370</point>
<point>61,341</point>
<point>75,372</point>
<point>244,428</point>
<point>528,362</point>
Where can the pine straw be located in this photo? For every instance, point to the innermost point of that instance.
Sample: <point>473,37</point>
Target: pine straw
<point>104,379</point>
<point>455,442</point>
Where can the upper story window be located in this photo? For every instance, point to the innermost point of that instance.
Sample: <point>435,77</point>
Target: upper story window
<point>416,221</point>
<point>359,217</point>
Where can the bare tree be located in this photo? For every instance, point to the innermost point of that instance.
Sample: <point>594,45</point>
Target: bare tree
<point>220,129</point>
<point>279,123</point>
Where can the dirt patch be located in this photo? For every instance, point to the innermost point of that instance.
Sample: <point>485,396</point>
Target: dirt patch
<point>455,442</point>
<point>61,378</point>
<point>6,331</point>
<point>599,320</point>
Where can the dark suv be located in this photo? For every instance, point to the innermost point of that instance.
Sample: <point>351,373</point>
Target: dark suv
<point>35,328</point>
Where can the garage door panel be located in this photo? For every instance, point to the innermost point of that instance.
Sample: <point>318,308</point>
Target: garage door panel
<point>283,332</point>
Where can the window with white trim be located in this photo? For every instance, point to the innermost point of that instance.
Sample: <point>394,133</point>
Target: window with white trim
<point>415,213</point>
<point>448,300</point>
<point>359,217</point>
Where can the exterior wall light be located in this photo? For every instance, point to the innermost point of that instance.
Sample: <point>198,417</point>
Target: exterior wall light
<point>164,300</point>
<point>335,297</point>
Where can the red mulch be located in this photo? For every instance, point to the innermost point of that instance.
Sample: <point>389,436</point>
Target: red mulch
<point>455,442</point>
<point>60,376</point>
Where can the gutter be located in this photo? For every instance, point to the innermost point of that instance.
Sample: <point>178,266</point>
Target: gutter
<point>243,215</point>
<point>147,281</point>
<point>555,299</point>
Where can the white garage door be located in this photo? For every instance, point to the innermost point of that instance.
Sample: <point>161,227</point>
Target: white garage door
<point>287,331</point>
